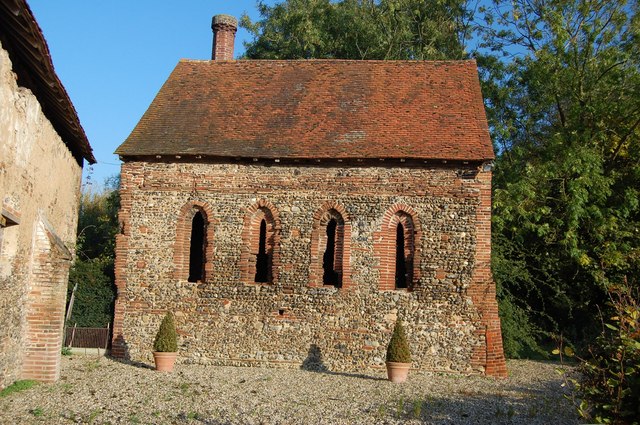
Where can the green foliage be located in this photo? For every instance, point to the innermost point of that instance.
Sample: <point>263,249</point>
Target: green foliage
<point>66,351</point>
<point>520,333</point>
<point>398,348</point>
<point>95,294</point>
<point>610,384</point>
<point>93,269</point>
<point>562,87</point>
<point>166,340</point>
<point>17,387</point>
<point>98,221</point>
<point>359,29</point>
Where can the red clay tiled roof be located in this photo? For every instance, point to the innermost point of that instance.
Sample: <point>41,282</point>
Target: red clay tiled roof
<point>329,109</point>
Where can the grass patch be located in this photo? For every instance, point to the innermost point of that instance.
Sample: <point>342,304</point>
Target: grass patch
<point>37,412</point>
<point>17,387</point>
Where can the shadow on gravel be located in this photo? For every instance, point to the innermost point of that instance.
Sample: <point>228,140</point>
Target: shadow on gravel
<point>139,365</point>
<point>314,363</point>
<point>468,407</point>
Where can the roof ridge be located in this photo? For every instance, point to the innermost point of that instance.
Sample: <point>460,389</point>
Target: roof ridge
<point>367,61</point>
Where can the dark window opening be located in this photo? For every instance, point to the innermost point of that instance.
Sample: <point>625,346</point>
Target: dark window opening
<point>196,250</point>
<point>330,276</point>
<point>262,258</point>
<point>401,264</point>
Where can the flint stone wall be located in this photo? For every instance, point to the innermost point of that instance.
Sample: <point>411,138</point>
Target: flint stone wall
<point>225,320</point>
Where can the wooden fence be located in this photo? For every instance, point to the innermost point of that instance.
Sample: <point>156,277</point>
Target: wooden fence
<point>87,337</point>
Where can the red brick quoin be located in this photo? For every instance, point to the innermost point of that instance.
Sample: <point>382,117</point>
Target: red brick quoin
<point>483,289</point>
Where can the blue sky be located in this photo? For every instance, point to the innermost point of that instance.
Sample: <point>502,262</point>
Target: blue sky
<point>114,56</point>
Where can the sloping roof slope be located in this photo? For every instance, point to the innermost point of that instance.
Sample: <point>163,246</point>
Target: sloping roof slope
<point>23,39</point>
<point>316,109</point>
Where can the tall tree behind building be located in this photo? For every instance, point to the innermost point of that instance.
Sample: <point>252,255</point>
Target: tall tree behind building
<point>563,94</point>
<point>93,269</point>
<point>360,29</point>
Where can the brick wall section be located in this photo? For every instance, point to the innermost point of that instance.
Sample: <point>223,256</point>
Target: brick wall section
<point>128,180</point>
<point>224,33</point>
<point>230,320</point>
<point>46,307</point>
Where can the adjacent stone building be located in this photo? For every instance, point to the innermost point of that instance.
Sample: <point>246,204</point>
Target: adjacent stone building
<point>42,149</point>
<point>289,212</point>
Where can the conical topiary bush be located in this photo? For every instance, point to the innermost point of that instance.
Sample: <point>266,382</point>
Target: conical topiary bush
<point>398,355</point>
<point>165,346</point>
<point>166,339</point>
<point>398,348</point>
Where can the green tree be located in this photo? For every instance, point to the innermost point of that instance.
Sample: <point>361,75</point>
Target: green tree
<point>562,83</point>
<point>98,221</point>
<point>92,273</point>
<point>360,29</point>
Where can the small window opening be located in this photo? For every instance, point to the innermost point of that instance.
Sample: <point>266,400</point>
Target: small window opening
<point>196,250</point>
<point>401,264</point>
<point>262,258</point>
<point>330,276</point>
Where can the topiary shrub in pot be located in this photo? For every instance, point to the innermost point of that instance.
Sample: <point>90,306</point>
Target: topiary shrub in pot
<point>398,355</point>
<point>165,346</point>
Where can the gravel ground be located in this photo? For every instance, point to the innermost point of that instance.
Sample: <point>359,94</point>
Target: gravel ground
<point>103,391</point>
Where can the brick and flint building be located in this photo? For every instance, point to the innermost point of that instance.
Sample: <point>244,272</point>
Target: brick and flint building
<point>289,212</point>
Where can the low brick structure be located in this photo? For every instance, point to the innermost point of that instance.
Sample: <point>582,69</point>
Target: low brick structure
<point>289,212</point>
<point>42,149</point>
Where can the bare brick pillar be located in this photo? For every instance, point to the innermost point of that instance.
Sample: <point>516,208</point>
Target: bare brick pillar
<point>45,306</point>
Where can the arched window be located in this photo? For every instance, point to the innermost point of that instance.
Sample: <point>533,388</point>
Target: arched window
<point>330,247</point>
<point>260,235</point>
<point>192,248</point>
<point>331,276</point>
<point>396,249</point>
<point>197,248</point>
<point>262,258</point>
<point>401,260</point>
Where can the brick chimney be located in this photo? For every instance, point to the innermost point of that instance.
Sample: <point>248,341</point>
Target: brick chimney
<point>224,33</point>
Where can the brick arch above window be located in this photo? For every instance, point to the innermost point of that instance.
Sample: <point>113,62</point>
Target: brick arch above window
<point>182,244</point>
<point>256,213</point>
<point>385,246</point>
<point>342,245</point>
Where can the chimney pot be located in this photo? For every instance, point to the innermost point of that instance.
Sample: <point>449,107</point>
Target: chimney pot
<point>224,33</point>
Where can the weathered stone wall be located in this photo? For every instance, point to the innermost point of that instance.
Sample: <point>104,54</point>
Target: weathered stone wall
<point>39,184</point>
<point>228,319</point>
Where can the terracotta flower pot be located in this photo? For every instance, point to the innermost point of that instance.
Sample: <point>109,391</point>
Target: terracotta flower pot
<point>164,361</point>
<point>397,372</point>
